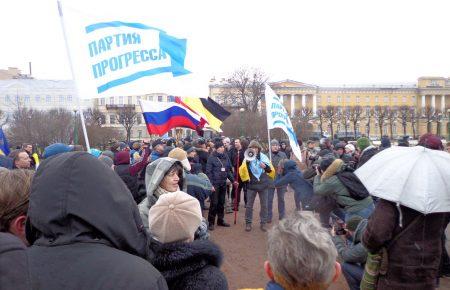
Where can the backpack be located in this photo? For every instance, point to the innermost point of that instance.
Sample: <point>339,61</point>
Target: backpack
<point>354,186</point>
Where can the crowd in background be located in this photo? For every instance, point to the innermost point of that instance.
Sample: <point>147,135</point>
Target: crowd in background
<point>139,215</point>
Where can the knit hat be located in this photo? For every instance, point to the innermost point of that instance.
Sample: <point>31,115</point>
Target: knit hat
<point>218,144</point>
<point>180,155</point>
<point>122,145</point>
<point>191,149</point>
<point>95,152</point>
<point>385,142</point>
<point>174,217</point>
<point>431,141</point>
<point>157,142</point>
<point>363,143</point>
<point>274,142</point>
<point>254,144</point>
<point>350,147</point>
<point>340,145</point>
<point>353,222</point>
<point>56,148</point>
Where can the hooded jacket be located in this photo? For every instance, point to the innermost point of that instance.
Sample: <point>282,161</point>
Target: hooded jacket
<point>13,263</point>
<point>192,266</point>
<point>366,154</point>
<point>294,177</point>
<point>329,184</point>
<point>85,232</point>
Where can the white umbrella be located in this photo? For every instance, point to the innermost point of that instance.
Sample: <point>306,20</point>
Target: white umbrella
<point>415,177</point>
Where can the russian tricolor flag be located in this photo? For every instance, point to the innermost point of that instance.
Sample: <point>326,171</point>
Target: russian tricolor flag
<point>160,117</point>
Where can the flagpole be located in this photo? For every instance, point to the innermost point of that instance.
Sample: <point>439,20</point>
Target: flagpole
<point>268,130</point>
<point>83,125</point>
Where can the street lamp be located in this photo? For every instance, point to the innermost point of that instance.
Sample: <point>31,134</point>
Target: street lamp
<point>75,128</point>
<point>240,120</point>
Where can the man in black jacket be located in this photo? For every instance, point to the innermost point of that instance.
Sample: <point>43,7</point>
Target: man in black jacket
<point>85,230</point>
<point>236,155</point>
<point>218,169</point>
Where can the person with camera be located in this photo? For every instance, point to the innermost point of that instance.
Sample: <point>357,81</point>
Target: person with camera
<point>353,255</point>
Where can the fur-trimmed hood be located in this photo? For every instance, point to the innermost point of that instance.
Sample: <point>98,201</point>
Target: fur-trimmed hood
<point>193,265</point>
<point>334,168</point>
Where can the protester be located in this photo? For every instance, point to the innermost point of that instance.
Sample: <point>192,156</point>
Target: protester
<point>218,170</point>
<point>13,263</point>
<point>310,153</point>
<point>134,152</point>
<point>367,150</point>
<point>292,176</point>
<point>14,198</point>
<point>76,243</point>
<point>277,156</point>
<point>202,152</point>
<point>301,255</point>
<point>352,253</point>
<point>431,141</point>
<point>236,155</point>
<point>56,148</point>
<point>385,143</point>
<point>20,159</point>
<point>285,149</point>
<point>256,174</point>
<point>327,183</point>
<point>158,150</point>
<point>184,262</point>
<point>129,173</point>
<point>29,149</point>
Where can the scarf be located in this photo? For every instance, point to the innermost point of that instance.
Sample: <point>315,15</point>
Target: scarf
<point>160,191</point>
<point>256,170</point>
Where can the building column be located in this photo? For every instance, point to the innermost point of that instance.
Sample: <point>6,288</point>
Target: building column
<point>433,102</point>
<point>423,102</point>
<point>292,105</point>
<point>443,104</point>
<point>303,101</point>
<point>314,105</point>
<point>281,99</point>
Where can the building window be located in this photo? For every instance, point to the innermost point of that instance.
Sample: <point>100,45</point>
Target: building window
<point>339,99</point>
<point>394,129</point>
<point>48,98</point>
<point>367,111</point>
<point>61,99</point>
<point>357,100</point>
<point>37,98</point>
<point>139,119</point>
<point>394,100</point>
<point>171,99</point>
<point>413,98</point>
<point>138,99</point>
<point>329,99</point>
<point>376,100</point>
<point>102,101</point>
<point>386,99</point>
<point>349,99</point>
<point>27,99</point>
<point>150,98</point>
<point>403,99</point>
<point>69,98</point>
<point>102,119</point>
<point>367,99</point>
<point>319,99</point>
<point>130,100</point>
<point>120,100</point>
<point>112,119</point>
<point>160,99</point>
<point>111,100</point>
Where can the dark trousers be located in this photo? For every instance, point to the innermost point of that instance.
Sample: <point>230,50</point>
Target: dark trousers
<point>217,205</point>
<point>241,186</point>
<point>353,274</point>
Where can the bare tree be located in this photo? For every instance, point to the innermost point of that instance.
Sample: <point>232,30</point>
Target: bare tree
<point>331,115</point>
<point>413,118</point>
<point>3,119</point>
<point>344,117</point>
<point>127,118</point>
<point>356,116</point>
<point>380,114</point>
<point>403,114</point>
<point>368,116</point>
<point>302,122</point>
<point>429,115</point>
<point>391,117</point>
<point>438,118</point>
<point>321,119</point>
<point>244,89</point>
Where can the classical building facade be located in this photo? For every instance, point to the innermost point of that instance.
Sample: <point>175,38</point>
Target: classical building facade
<point>427,92</point>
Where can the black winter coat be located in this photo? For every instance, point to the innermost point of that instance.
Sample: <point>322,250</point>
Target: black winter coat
<point>214,171</point>
<point>366,155</point>
<point>123,170</point>
<point>13,263</point>
<point>190,266</point>
<point>85,230</point>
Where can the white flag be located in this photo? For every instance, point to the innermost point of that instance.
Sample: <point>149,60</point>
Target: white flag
<point>277,117</point>
<point>114,56</point>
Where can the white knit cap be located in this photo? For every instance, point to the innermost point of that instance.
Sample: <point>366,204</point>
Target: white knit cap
<point>350,147</point>
<point>180,155</point>
<point>174,217</point>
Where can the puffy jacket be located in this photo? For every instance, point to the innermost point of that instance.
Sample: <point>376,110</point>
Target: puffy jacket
<point>294,177</point>
<point>329,184</point>
<point>218,169</point>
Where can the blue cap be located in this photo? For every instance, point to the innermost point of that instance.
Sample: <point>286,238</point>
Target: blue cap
<point>55,149</point>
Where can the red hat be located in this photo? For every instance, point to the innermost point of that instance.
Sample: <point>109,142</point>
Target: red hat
<point>431,141</point>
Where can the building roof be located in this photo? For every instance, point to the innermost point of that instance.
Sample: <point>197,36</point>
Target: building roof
<point>37,84</point>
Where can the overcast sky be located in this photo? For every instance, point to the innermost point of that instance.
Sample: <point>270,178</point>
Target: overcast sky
<point>318,42</point>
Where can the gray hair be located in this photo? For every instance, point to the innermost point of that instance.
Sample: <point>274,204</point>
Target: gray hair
<point>301,250</point>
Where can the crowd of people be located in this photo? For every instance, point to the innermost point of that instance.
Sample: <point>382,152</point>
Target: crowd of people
<point>139,216</point>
